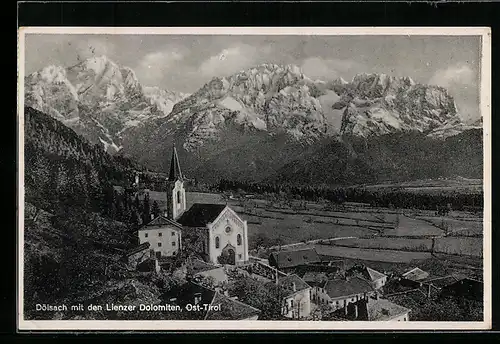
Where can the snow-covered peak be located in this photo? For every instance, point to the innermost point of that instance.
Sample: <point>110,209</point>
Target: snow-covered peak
<point>96,97</point>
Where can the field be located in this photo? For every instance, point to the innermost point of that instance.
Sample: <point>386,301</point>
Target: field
<point>371,234</point>
<point>434,185</point>
<point>401,244</point>
<point>392,256</point>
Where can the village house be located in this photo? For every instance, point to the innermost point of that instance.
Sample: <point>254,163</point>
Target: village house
<point>205,273</point>
<point>467,288</point>
<point>141,258</point>
<point>415,274</point>
<point>289,260</point>
<point>376,279</point>
<point>224,307</point>
<point>163,235</point>
<point>297,297</point>
<point>373,308</point>
<point>339,292</point>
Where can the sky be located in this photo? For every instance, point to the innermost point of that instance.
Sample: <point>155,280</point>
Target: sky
<point>186,63</point>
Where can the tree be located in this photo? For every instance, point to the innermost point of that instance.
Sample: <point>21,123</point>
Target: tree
<point>155,209</point>
<point>146,214</point>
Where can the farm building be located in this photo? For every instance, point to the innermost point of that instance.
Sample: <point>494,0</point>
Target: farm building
<point>376,279</point>
<point>415,274</point>
<point>373,308</point>
<point>339,292</point>
<point>467,288</point>
<point>315,279</point>
<point>297,297</point>
<point>195,294</point>
<point>286,260</point>
<point>138,254</point>
<point>202,271</point>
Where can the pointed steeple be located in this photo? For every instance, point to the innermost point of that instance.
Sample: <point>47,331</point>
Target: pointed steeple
<point>175,167</point>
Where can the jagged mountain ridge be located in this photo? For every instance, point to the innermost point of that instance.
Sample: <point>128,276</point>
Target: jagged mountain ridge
<point>97,98</point>
<point>378,104</point>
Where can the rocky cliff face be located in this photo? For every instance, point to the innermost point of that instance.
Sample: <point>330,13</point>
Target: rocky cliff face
<point>97,98</point>
<point>269,98</point>
<point>377,104</point>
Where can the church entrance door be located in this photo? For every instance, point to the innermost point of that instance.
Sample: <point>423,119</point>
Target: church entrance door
<point>228,255</point>
<point>231,256</point>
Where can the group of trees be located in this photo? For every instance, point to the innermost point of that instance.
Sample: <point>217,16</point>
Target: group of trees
<point>397,198</point>
<point>129,208</point>
<point>63,170</point>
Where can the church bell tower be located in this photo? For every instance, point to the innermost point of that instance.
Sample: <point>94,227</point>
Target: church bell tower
<point>176,194</point>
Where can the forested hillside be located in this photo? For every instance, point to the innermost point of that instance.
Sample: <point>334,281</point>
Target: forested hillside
<point>62,169</point>
<point>72,243</point>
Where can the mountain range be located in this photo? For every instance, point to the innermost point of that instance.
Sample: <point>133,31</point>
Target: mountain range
<point>270,122</point>
<point>97,98</point>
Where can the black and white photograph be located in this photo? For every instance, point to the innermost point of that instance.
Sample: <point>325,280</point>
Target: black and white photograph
<point>254,178</point>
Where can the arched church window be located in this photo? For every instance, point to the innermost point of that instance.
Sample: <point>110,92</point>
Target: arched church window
<point>238,239</point>
<point>178,197</point>
<point>217,242</point>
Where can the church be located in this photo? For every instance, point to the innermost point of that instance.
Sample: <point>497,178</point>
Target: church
<point>221,233</point>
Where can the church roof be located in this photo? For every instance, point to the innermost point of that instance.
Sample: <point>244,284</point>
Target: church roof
<point>175,167</point>
<point>200,214</point>
<point>160,221</point>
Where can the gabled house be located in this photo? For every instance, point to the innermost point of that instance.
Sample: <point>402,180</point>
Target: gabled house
<point>287,260</point>
<point>466,288</point>
<point>376,279</point>
<point>296,297</point>
<point>373,308</point>
<point>339,292</point>
<point>137,254</point>
<point>205,273</point>
<point>212,304</point>
<point>415,274</point>
<point>163,235</point>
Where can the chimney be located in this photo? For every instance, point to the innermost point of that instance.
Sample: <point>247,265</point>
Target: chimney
<point>197,298</point>
<point>294,287</point>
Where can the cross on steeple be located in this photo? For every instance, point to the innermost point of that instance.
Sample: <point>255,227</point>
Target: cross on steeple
<point>175,168</point>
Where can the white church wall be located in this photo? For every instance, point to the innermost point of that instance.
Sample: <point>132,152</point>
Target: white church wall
<point>227,227</point>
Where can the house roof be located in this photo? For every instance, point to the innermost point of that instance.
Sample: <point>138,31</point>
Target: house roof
<point>416,274</point>
<point>286,259</point>
<point>287,284</point>
<point>200,214</point>
<point>200,266</point>
<point>160,221</point>
<point>382,309</point>
<point>440,282</point>
<point>175,167</point>
<point>137,249</point>
<point>314,278</point>
<point>230,309</point>
<point>372,275</point>
<point>336,288</point>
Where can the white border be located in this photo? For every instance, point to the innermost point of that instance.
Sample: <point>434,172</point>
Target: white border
<point>485,101</point>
